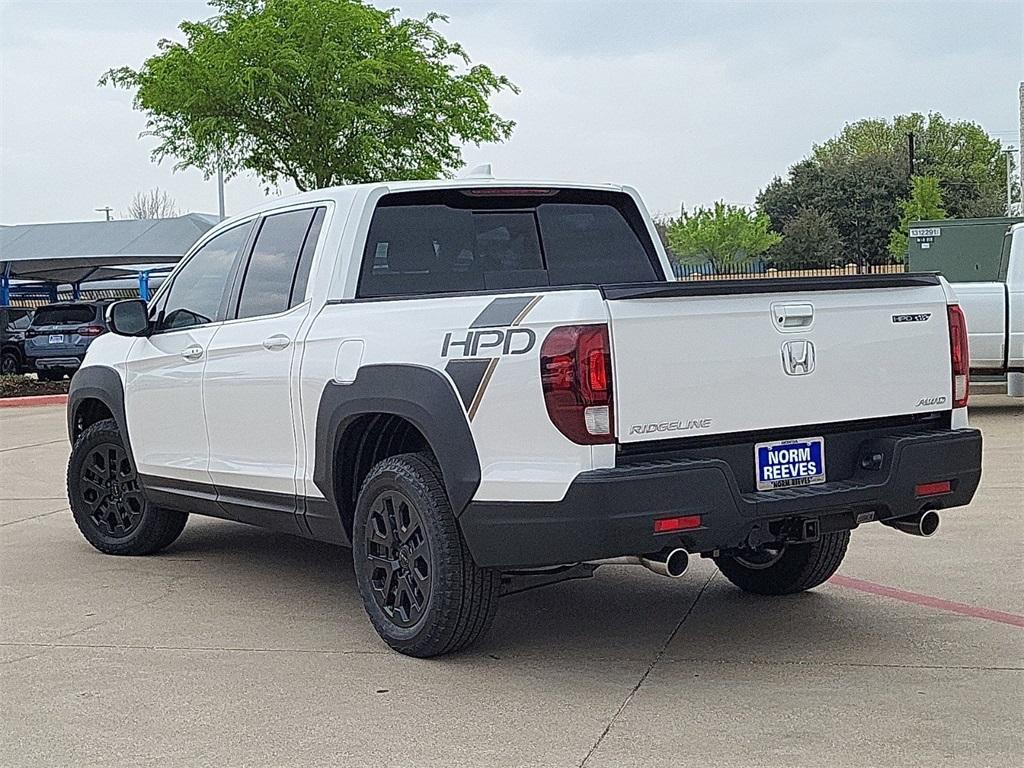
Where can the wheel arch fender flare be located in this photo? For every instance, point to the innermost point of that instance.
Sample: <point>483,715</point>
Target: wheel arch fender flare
<point>421,395</point>
<point>102,383</point>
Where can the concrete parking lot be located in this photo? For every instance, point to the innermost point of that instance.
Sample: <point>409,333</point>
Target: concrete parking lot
<point>239,647</point>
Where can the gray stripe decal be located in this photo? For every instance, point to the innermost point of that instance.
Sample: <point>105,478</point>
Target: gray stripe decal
<point>502,311</point>
<point>467,375</point>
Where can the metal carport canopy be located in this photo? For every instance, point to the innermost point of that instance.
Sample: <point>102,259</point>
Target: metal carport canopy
<point>75,252</point>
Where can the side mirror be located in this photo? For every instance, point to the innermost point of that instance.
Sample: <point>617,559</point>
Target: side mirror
<point>128,318</point>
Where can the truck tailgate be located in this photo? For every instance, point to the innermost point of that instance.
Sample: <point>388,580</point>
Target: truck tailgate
<point>708,360</point>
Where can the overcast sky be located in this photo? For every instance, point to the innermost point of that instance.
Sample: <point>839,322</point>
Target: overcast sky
<point>689,102</point>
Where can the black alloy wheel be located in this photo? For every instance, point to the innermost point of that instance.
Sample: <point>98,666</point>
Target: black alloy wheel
<point>110,490</point>
<point>398,561</point>
<point>788,569</point>
<point>108,500</point>
<point>419,585</point>
<point>761,558</point>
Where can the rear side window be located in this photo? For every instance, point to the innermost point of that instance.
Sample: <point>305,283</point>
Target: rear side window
<point>453,240</point>
<point>298,294</point>
<point>73,314</point>
<point>272,273</point>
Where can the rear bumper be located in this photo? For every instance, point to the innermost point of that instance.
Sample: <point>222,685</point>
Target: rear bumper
<point>611,512</point>
<point>54,363</point>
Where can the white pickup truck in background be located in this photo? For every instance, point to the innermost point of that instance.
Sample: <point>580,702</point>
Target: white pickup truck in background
<point>995,319</point>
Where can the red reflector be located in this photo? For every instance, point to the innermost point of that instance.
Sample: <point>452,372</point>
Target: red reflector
<point>933,489</point>
<point>684,523</point>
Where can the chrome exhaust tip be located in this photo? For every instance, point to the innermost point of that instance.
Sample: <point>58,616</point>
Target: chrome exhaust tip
<point>922,524</point>
<point>669,562</point>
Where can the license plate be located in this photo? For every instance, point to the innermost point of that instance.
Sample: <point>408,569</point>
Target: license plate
<point>789,463</point>
<point>56,338</point>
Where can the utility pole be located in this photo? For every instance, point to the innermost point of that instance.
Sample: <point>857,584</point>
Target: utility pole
<point>107,210</point>
<point>910,154</point>
<point>1009,179</point>
<point>220,192</point>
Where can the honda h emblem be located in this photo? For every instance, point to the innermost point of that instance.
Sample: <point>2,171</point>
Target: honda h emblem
<point>798,357</point>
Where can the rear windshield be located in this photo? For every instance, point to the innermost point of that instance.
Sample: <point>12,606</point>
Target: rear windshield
<point>454,241</point>
<point>72,314</point>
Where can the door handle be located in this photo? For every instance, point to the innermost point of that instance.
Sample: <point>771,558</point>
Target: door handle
<point>192,353</point>
<point>277,341</point>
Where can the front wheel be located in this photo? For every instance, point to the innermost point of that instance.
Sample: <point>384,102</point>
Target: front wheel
<point>421,589</point>
<point>107,500</point>
<point>786,569</point>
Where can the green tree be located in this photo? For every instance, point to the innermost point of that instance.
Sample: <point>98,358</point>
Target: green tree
<point>861,177</point>
<point>861,195</point>
<point>810,241</point>
<point>925,203</point>
<point>725,235</point>
<point>968,163</point>
<point>319,92</point>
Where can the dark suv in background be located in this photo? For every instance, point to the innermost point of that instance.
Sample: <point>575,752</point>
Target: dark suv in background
<point>59,334</point>
<point>13,322</point>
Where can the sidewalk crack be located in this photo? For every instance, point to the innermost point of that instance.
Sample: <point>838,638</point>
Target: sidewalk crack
<point>34,517</point>
<point>643,678</point>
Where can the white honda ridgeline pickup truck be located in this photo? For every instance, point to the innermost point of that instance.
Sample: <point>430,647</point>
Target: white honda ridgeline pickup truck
<point>482,386</point>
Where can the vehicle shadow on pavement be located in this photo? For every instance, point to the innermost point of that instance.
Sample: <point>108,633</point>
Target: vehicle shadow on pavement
<point>622,613</point>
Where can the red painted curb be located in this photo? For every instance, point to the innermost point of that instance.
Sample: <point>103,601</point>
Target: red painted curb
<point>975,612</point>
<point>26,402</point>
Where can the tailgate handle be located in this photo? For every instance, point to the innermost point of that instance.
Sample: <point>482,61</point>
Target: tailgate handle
<point>793,316</point>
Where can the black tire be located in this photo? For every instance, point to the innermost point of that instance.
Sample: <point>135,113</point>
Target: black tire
<point>108,502</point>
<point>420,587</point>
<point>797,568</point>
<point>10,364</point>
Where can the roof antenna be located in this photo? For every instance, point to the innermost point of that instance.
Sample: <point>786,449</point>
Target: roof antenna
<point>480,172</point>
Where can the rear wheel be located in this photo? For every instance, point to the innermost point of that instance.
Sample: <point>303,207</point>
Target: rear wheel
<point>9,364</point>
<point>107,500</point>
<point>421,589</point>
<point>788,568</point>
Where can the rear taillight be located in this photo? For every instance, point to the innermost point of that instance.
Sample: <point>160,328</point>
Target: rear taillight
<point>958,356</point>
<point>90,330</point>
<point>29,333</point>
<point>576,375</point>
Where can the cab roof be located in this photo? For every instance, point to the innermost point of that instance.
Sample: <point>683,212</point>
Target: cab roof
<point>346,193</point>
